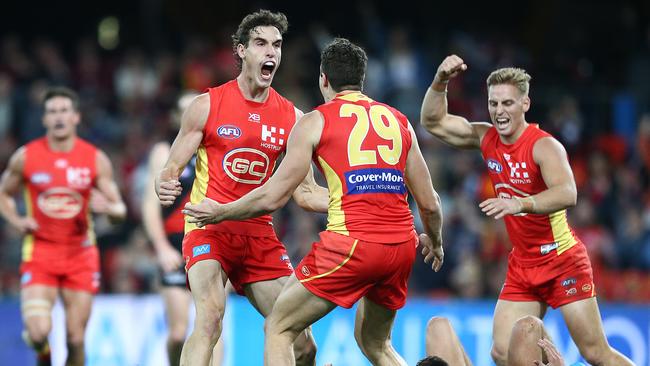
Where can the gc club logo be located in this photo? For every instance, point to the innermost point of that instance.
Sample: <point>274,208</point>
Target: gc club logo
<point>60,203</point>
<point>246,165</point>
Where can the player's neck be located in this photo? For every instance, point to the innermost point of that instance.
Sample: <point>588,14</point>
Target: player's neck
<point>250,90</point>
<point>61,145</point>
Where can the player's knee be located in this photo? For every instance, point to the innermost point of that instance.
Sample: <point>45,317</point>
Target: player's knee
<point>38,330</point>
<point>177,334</point>
<point>438,325</point>
<point>273,326</point>
<point>371,346</point>
<point>527,325</point>
<point>75,340</point>
<point>595,354</point>
<point>209,320</point>
<point>499,354</point>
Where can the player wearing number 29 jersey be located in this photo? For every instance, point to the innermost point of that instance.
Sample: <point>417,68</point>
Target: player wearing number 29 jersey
<point>367,188</point>
<point>362,152</point>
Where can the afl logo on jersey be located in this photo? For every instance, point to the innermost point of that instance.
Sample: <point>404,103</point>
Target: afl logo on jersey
<point>41,178</point>
<point>229,132</point>
<point>246,165</point>
<point>60,203</point>
<point>494,166</point>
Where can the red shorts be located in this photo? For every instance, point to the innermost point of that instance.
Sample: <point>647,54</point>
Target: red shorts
<point>62,266</point>
<point>561,281</point>
<point>245,259</point>
<point>342,270</point>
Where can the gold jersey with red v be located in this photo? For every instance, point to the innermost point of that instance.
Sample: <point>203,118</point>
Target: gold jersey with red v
<point>362,154</point>
<point>369,245</point>
<point>242,140</point>
<point>62,251</point>
<point>548,262</point>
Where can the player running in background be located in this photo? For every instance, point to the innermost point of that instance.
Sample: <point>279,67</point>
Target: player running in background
<point>237,130</point>
<point>165,228</point>
<point>59,173</point>
<point>369,155</point>
<point>530,171</point>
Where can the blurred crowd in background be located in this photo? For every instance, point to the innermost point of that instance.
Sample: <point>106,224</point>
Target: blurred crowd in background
<point>590,89</point>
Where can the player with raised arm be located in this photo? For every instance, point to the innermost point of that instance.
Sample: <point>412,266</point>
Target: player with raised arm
<point>530,171</point>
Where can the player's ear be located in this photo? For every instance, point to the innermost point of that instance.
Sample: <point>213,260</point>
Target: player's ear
<point>240,50</point>
<point>323,80</point>
<point>77,117</point>
<point>526,103</point>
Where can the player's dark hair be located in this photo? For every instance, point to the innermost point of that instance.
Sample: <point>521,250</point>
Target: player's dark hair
<point>344,64</point>
<point>62,91</point>
<point>432,361</point>
<point>251,21</point>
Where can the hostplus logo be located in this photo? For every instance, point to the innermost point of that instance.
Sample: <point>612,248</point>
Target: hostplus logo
<point>518,171</point>
<point>272,137</point>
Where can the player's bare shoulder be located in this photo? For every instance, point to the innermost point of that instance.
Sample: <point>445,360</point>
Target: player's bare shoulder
<point>548,148</point>
<point>12,177</point>
<point>196,114</point>
<point>17,160</point>
<point>308,128</point>
<point>480,129</point>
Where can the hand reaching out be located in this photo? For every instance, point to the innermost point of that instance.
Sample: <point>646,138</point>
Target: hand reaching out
<point>205,212</point>
<point>432,252</point>
<point>552,355</point>
<point>499,207</point>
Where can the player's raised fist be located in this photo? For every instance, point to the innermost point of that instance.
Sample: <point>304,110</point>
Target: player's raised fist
<point>449,68</point>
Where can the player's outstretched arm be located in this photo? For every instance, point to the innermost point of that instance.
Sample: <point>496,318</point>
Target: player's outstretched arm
<point>277,190</point>
<point>561,193</point>
<point>454,130</point>
<point>108,201</point>
<point>185,145</point>
<point>419,184</point>
<point>10,183</point>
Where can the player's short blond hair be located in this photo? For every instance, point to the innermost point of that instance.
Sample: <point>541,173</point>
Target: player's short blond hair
<point>510,75</point>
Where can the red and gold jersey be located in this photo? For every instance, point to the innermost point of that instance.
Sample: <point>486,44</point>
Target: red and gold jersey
<point>514,173</point>
<point>242,140</point>
<point>362,153</point>
<point>57,190</point>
